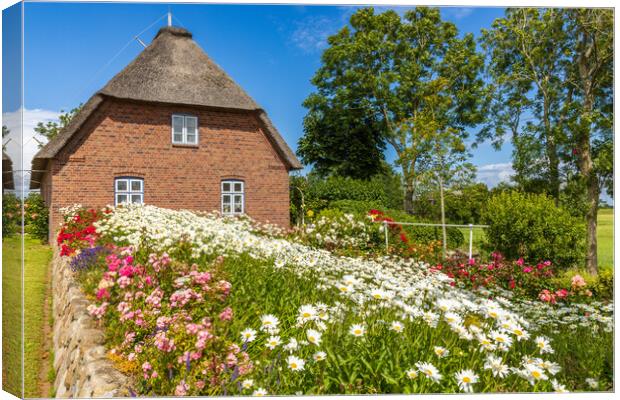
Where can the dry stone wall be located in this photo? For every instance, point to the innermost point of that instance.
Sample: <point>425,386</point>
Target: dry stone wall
<point>82,368</point>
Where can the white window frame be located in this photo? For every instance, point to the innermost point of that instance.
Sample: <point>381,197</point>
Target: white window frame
<point>232,194</point>
<point>184,140</point>
<point>129,192</point>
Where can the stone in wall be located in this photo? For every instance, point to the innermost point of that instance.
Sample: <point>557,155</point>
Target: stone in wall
<point>80,361</point>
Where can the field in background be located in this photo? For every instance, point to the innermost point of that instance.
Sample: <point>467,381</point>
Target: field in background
<point>37,259</point>
<point>605,235</point>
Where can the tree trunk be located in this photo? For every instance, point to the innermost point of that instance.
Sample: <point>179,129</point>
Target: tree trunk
<point>443,218</point>
<point>554,170</point>
<point>591,220</point>
<point>408,201</point>
<point>552,155</point>
<point>586,167</point>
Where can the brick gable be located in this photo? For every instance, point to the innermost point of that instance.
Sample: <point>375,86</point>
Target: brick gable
<point>124,138</point>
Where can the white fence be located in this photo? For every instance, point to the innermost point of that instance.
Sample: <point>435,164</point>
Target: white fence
<point>470,226</point>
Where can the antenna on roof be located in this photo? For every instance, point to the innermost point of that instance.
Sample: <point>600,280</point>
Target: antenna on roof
<point>140,41</point>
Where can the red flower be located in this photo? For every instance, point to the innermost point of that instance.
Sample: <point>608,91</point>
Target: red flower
<point>103,293</point>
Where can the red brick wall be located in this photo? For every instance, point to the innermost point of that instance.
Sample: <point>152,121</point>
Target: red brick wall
<point>134,139</point>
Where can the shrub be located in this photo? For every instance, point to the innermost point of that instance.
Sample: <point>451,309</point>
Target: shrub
<point>355,206</point>
<point>10,214</point>
<point>345,233</point>
<point>531,226</point>
<point>36,219</point>
<point>601,287</point>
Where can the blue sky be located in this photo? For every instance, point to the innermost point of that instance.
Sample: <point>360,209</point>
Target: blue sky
<point>72,50</point>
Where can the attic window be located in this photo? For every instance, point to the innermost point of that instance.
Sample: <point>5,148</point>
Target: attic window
<point>184,129</point>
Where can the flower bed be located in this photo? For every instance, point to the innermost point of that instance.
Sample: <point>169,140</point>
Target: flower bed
<point>520,278</point>
<point>302,319</point>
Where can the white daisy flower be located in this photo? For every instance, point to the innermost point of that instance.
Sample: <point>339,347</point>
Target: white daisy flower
<point>248,335</point>
<point>260,392</point>
<point>558,387</point>
<point>411,373</point>
<point>269,322</point>
<point>273,342</point>
<point>593,383</point>
<point>247,384</point>
<point>397,326</point>
<point>543,344</point>
<point>429,371</point>
<point>313,336</point>
<point>357,330</point>
<point>307,313</point>
<point>497,367</point>
<point>441,351</point>
<point>465,379</point>
<point>319,356</point>
<point>295,363</point>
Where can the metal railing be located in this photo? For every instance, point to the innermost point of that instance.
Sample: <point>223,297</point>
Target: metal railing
<point>470,226</point>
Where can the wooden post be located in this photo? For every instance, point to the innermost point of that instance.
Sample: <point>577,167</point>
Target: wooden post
<point>471,239</point>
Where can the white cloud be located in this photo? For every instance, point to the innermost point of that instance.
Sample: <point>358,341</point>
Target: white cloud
<point>493,174</point>
<point>457,13</point>
<point>311,33</point>
<point>30,140</point>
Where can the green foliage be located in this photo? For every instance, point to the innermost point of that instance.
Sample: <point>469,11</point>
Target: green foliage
<point>50,129</point>
<point>601,285</point>
<point>36,219</point>
<point>533,227</point>
<point>355,206</point>
<point>11,220</point>
<point>342,139</point>
<point>319,193</point>
<point>426,234</point>
<point>345,233</point>
<point>463,204</point>
<point>411,79</point>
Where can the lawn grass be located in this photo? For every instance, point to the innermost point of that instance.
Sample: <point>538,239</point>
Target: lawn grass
<point>605,236</point>
<point>11,315</point>
<point>37,258</point>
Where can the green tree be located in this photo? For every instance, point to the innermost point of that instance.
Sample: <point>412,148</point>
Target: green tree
<point>391,66</point>
<point>341,139</point>
<point>527,56</point>
<point>590,74</point>
<point>51,129</point>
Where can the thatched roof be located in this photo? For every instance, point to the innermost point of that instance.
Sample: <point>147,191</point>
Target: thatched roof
<point>173,69</point>
<point>7,172</point>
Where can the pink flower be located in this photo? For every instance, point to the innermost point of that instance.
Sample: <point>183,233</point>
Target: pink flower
<point>181,389</point>
<point>103,293</point>
<point>192,329</point>
<point>199,384</point>
<point>225,287</point>
<point>561,293</point>
<point>163,343</point>
<point>547,296</point>
<point>577,281</point>
<point>527,270</point>
<point>227,314</point>
<point>520,261</point>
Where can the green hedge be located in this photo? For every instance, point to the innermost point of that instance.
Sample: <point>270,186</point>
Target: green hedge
<point>10,214</point>
<point>36,217</point>
<point>533,227</point>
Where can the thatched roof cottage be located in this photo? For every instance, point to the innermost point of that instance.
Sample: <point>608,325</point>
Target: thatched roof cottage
<point>171,129</point>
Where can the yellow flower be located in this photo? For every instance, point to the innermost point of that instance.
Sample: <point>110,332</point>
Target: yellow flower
<point>310,213</point>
